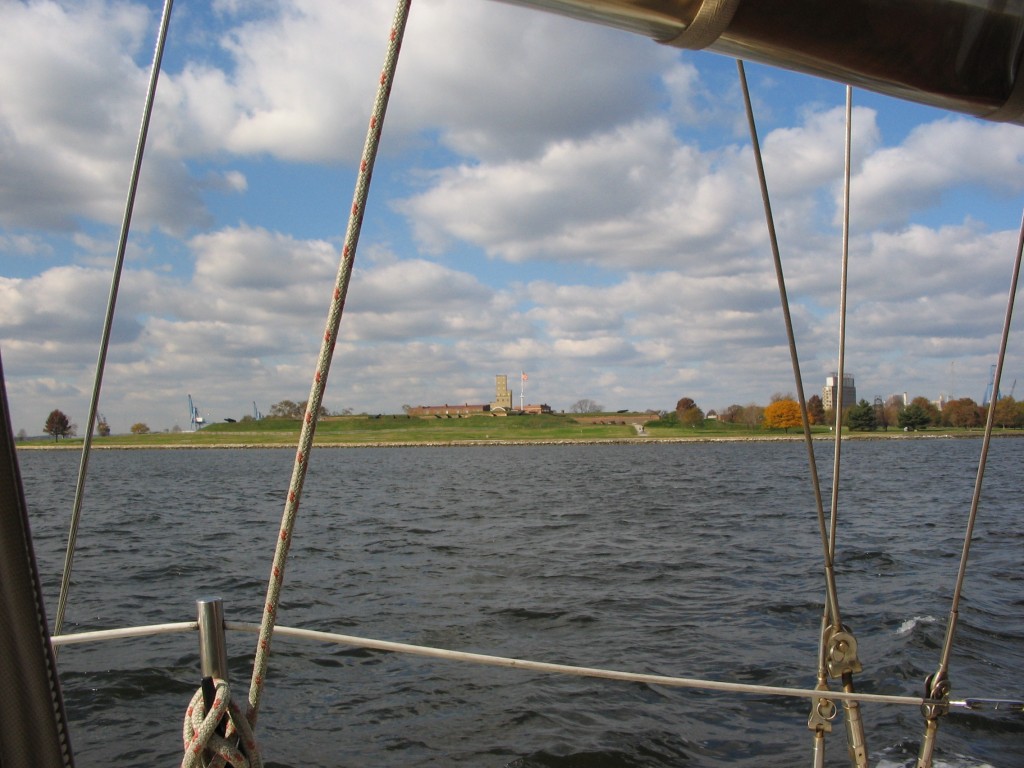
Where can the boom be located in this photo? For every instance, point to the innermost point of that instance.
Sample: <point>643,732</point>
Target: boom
<point>962,55</point>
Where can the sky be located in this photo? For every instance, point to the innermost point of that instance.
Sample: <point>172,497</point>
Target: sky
<point>551,197</point>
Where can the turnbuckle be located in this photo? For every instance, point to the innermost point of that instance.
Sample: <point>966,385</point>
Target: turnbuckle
<point>993,705</point>
<point>840,659</point>
<point>936,693</point>
<point>936,690</point>
<point>822,713</point>
<point>841,653</point>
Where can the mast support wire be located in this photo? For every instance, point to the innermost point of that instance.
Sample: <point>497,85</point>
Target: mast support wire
<point>841,635</point>
<point>122,244</point>
<point>818,720</point>
<point>833,600</point>
<point>937,686</point>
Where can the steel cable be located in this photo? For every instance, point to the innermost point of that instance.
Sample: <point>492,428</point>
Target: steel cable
<point>855,730</point>
<point>937,686</point>
<point>122,244</point>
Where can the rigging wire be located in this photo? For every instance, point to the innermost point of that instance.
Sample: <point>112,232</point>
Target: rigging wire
<point>833,600</point>
<point>841,363</point>
<point>122,243</point>
<point>823,712</point>
<point>323,366</point>
<point>818,721</point>
<point>937,685</point>
<point>854,725</point>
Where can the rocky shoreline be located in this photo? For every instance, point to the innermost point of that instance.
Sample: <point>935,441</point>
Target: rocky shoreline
<point>648,439</point>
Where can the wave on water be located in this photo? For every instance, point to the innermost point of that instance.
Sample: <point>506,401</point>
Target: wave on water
<point>908,626</point>
<point>952,761</point>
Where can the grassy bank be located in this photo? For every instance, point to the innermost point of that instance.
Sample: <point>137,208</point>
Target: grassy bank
<point>401,430</point>
<point>373,430</point>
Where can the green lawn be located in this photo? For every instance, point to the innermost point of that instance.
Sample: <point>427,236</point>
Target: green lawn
<point>386,429</point>
<point>353,430</point>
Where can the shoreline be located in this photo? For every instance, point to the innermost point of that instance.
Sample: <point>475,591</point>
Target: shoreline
<point>648,440</point>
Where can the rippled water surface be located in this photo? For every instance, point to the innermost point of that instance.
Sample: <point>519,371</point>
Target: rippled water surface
<point>692,560</point>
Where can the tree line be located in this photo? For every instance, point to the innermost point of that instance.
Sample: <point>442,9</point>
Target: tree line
<point>783,412</point>
<point>58,424</point>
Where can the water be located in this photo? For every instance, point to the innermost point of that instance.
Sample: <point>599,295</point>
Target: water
<point>695,560</point>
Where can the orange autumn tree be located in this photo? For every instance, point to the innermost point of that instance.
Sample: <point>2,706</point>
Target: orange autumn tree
<point>782,414</point>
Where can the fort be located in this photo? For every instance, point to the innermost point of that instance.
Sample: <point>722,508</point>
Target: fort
<point>501,406</point>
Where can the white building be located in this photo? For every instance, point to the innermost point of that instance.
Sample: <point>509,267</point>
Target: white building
<point>830,392</point>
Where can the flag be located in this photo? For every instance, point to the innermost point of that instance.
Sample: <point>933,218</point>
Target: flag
<point>524,375</point>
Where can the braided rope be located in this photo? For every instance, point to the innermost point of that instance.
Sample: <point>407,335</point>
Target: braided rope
<point>324,362</point>
<point>204,747</point>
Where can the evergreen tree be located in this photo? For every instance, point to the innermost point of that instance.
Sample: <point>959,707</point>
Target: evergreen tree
<point>861,417</point>
<point>913,417</point>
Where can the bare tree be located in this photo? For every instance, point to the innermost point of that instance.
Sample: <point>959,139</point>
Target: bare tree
<point>287,409</point>
<point>586,406</point>
<point>752,415</point>
<point>732,415</point>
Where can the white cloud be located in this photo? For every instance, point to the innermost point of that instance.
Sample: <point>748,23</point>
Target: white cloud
<point>25,245</point>
<point>630,198</point>
<point>495,80</point>
<point>285,96</point>
<point>71,101</point>
<point>254,259</point>
<point>922,261</point>
<point>63,306</point>
<point>895,182</point>
<point>810,156</point>
<point>690,100</point>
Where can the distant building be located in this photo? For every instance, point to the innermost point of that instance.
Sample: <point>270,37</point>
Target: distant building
<point>830,392</point>
<point>449,411</point>
<point>502,404</point>
<point>533,408</point>
<point>502,394</point>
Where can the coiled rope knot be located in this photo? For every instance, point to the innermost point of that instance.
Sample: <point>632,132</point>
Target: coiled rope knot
<point>209,746</point>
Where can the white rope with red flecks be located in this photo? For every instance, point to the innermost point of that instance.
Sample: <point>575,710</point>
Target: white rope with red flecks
<point>204,746</point>
<point>348,253</point>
